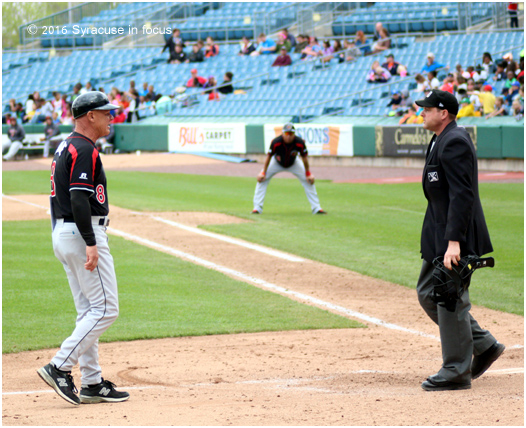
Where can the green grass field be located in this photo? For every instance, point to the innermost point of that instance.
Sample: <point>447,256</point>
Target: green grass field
<point>371,229</point>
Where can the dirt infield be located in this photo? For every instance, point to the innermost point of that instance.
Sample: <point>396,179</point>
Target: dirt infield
<point>365,376</point>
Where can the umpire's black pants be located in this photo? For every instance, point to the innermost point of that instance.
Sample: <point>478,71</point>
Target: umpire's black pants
<point>460,334</point>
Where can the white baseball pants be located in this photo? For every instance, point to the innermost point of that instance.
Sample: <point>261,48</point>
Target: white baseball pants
<point>298,169</point>
<point>95,295</point>
<point>12,149</point>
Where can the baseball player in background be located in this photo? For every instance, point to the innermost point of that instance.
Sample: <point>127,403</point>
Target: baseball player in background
<point>283,156</point>
<point>79,209</point>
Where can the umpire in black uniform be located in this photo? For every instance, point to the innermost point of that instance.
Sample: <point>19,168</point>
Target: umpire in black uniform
<point>454,226</point>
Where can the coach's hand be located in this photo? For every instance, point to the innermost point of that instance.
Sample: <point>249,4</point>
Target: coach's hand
<point>310,177</point>
<point>261,176</point>
<point>92,258</point>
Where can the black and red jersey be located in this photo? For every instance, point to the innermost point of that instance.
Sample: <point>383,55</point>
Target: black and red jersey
<point>286,153</point>
<point>77,166</point>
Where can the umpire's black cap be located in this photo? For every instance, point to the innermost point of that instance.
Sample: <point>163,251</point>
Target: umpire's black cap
<point>440,99</point>
<point>93,100</point>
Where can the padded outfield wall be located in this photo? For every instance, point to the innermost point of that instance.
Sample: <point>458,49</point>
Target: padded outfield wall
<point>496,140</point>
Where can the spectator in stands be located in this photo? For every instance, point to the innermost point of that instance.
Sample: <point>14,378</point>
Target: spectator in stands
<point>512,10</point>
<point>488,65</point>
<point>394,67</point>
<point>132,87</point>
<point>301,43</point>
<point>517,110</point>
<point>312,50</point>
<point>196,55</point>
<point>44,109</point>
<point>396,100</point>
<point>11,107</point>
<point>282,42</point>
<point>336,48</point>
<point>195,81</point>
<point>510,80</point>
<point>228,89</point>
<point>152,93</point>
<point>68,119</point>
<point>16,135</point>
<point>500,109</point>
<point>56,118</point>
<point>421,83</point>
<point>431,65</point>
<point>410,115</point>
<point>30,104</point>
<point>350,52</point>
<point>432,79</point>
<point>20,113</point>
<point>378,27</point>
<point>211,49</point>
<point>510,64</point>
<point>290,38</point>
<point>76,92</point>
<point>266,46</point>
<point>88,87</point>
<point>120,116</point>
<point>500,74</point>
<point>171,43</point>
<point>406,98</point>
<point>50,130</point>
<point>30,114</point>
<point>326,51</point>
<point>487,99</point>
<point>378,74</point>
<point>362,43</point>
<point>247,47</point>
<point>448,84</point>
<point>58,103</point>
<point>383,43</point>
<point>144,89</point>
<point>131,110</point>
<point>520,76</point>
<point>212,92</point>
<point>179,56</point>
<point>6,119</point>
<point>513,93</point>
<point>283,59</point>
<point>466,108</point>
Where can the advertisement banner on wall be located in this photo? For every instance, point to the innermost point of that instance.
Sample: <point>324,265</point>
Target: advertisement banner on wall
<point>321,140</point>
<point>207,137</point>
<point>408,140</point>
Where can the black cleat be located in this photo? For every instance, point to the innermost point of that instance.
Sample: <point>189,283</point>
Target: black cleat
<point>61,382</point>
<point>255,212</point>
<point>482,362</point>
<point>320,212</point>
<point>103,392</point>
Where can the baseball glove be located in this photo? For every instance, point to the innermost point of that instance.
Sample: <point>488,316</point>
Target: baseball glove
<point>450,285</point>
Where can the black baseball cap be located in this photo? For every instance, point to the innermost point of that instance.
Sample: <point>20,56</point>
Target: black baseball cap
<point>289,127</point>
<point>440,99</point>
<point>93,100</point>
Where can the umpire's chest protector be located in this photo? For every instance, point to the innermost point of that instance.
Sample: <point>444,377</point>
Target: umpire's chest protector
<point>450,184</point>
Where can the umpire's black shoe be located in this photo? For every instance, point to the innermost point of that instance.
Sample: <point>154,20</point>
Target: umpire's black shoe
<point>482,362</point>
<point>438,383</point>
<point>103,392</point>
<point>61,382</point>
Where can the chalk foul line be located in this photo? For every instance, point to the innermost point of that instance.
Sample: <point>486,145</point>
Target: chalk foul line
<point>268,285</point>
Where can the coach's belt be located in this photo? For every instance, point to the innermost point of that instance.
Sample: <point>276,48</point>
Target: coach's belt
<point>98,220</point>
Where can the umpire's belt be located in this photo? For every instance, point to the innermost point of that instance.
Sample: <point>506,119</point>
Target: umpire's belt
<point>96,220</point>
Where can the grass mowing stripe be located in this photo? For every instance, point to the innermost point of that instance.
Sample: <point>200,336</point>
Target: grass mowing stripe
<point>160,296</point>
<point>365,231</point>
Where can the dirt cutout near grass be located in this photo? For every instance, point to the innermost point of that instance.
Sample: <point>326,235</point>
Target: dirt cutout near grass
<point>367,376</point>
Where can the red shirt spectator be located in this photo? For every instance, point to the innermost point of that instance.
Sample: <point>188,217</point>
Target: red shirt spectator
<point>283,59</point>
<point>120,117</point>
<point>195,80</point>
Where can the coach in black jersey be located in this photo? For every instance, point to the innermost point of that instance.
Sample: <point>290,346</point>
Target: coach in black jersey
<point>283,156</point>
<point>79,209</point>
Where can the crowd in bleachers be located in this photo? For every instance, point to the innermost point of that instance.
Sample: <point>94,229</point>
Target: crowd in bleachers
<point>467,81</point>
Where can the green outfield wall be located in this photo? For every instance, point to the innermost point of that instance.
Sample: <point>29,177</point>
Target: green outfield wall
<point>493,141</point>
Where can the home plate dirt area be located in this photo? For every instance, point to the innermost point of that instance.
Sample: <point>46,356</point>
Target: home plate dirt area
<point>368,376</point>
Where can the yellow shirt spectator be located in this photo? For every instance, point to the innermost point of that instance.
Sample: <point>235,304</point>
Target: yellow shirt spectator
<point>467,109</point>
<point>487,99</point>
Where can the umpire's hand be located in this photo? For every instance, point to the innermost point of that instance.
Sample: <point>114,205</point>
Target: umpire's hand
<point>92,258</point>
